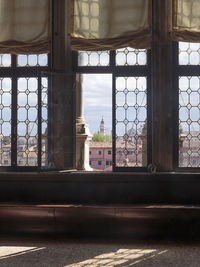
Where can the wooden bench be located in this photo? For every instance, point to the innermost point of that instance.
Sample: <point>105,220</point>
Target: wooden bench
<point>104,220</point>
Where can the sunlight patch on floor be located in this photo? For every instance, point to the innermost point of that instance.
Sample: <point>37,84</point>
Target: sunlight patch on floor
<point>121,256</point>
<point>13,251</point>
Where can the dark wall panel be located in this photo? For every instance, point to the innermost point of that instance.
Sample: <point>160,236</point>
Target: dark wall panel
<point>96,188</point>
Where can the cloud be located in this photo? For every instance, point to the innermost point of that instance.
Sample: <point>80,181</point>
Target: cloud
<point>97,90</point>
<point>97,100</point>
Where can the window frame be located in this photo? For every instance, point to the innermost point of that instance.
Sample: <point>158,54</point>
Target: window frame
<point>14,72</point>
<point>180,70</point>
<point>123,71</point>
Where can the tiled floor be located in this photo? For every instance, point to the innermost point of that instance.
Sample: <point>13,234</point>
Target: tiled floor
<point>85,253</point>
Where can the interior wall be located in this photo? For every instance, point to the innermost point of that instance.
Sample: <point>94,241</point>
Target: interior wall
<point>99,188</point>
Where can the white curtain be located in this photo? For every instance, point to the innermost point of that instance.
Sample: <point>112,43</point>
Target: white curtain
<point>24,26</point>
<point>110,24</point>
<point>186,24</point>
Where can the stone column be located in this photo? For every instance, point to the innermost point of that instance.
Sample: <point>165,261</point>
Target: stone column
<point>82,131</point>
<point>63,98</point>
<point>162,88</point>
<point>79,99</point>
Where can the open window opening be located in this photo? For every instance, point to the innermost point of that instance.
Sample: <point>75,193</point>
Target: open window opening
<point>98,118</point>
<point>116,89</point>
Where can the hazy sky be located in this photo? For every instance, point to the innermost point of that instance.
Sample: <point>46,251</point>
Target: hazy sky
<point>98,101</point>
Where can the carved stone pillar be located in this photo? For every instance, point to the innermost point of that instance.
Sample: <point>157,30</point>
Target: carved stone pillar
<point>82,132</point>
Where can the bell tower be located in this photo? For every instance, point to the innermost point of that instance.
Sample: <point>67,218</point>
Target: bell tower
<point>102,128</point>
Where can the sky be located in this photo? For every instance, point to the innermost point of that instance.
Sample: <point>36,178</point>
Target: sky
<point>98,101</point>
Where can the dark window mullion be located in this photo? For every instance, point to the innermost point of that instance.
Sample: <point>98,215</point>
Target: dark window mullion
<point>14,61</point>
<point>14,123</point>
<point>112,58</point>
<point>149,110</point>
<point>13,111</point>
<point>113,121</point>
<point>176,106</point>
<point>39,120</point>
<point>50,124</point>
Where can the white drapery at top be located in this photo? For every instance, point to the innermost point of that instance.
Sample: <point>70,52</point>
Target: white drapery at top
<point>110,24</point>
<point>186,23</point>
<point>24,26</point>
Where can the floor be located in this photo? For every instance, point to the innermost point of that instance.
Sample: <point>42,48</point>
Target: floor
<point>32,252</point>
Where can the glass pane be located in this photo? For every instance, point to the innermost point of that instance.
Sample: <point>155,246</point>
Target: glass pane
<point>32,60</point>
<point>189,53</point>
<point>5,60</point>
<point>129,57</point>
<point>5,121</point>
<point>131,117</point>
<point>27,137</point>
<point>44,106</point>
<point>189,121</point>
<point>86,58</point>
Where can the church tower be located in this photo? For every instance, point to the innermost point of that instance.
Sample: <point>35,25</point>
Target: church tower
<point>102,128</point>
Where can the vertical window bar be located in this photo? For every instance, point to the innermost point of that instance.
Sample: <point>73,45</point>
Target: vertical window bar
<point>175,105</point>
<point>49,125</point>
<point>14,123</point>
<point>14,115</point>
<point>113,122</point>
<point>14,61</point>
<point>149,111</point>
<point>112,58</point>
<point>39,121</point>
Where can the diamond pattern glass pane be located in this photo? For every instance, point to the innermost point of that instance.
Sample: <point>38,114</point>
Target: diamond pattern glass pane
<point>131,116</point>
<point>44,105</point>
<point>86,58</point>
<point>189,53</point>
<point>189,121</point>
<point>27,115</point>
<point>5,121</point>
<point>130,57</point>
<point>32,60</point>
<point>5,60</point>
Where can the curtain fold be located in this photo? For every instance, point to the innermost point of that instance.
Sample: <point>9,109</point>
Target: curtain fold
<point>186,21</point>
<point>24,26</point>
<point>110,24</point>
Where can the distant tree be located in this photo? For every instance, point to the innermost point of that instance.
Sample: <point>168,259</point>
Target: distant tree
<point>99,138</point>
<point>107,138</point>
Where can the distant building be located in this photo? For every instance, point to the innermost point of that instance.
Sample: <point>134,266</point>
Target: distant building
<point>102,128</point>
<point>27,151</point>
<point>101,155</point>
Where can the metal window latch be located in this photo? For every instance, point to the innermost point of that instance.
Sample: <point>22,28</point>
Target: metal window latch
<point>152,168</point>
